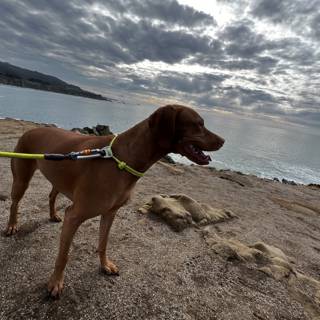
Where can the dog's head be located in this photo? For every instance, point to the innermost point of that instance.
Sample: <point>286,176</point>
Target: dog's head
<point>181,130</point>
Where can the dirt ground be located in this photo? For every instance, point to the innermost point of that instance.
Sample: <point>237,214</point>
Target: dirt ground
<point>165,274</point>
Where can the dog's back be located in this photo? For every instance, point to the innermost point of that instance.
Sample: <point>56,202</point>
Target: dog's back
<point>56,140</point>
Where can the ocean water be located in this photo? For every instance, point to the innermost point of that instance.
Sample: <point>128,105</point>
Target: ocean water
<point>261,147</point>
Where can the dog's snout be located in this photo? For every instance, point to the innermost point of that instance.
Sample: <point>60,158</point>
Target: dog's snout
<point>220,141</point>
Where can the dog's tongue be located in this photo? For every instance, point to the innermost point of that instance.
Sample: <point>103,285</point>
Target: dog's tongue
<point>199,154</point>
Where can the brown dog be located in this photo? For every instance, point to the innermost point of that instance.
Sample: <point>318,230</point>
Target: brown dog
<point>172,128</point>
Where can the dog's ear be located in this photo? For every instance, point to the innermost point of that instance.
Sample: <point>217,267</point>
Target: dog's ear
<point>162,124</point>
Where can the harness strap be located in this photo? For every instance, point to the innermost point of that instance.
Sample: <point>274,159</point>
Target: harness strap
<point>105,152</point>
<point>21,155</point>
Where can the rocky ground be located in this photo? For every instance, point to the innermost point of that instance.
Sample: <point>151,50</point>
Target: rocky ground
<point>262,263</point>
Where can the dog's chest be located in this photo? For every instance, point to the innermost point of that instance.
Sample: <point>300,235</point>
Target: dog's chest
<point>118,195</point>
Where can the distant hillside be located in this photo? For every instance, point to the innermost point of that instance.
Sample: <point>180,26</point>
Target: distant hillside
<point>16,76</point>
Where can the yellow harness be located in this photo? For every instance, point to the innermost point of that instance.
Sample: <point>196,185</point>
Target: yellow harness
<point>121,164</point>
<point>105,153</point>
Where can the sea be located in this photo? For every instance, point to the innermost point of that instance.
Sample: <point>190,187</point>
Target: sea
<point>263,147</point>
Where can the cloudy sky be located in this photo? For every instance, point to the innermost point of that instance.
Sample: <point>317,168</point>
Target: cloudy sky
<point>257,57</point>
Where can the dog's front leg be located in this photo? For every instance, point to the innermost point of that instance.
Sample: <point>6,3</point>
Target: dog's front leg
<point>71,222</point>
<point>107,266</point>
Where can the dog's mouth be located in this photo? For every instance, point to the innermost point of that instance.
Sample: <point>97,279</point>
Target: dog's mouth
<point>195,154</point>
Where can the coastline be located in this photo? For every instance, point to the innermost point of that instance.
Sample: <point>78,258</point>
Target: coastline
<point>176,160</point>
<point>82,93</point>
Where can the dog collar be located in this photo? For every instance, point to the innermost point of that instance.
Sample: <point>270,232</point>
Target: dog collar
<point>121,164</point>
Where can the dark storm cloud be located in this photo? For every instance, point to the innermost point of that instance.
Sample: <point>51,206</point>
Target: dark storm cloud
<point>71,28</point>
<point>182,84</point>
<point>240,47</point>
<point>189,83</point>
<point>156,44</point>
<point>251,97</point>
<point>285,10</point>
<point>293,50</point>
<point>73,34</point>
<point>236,95</point>
<point>167,11</point>
<point>315,26</point>
<point>104,43</point>
<point>239,100</point>
<point>242,41</point>
<point>273,9</point>
<point>302,16</point>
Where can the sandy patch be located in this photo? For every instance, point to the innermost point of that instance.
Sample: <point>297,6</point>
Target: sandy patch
<point>180,211</point>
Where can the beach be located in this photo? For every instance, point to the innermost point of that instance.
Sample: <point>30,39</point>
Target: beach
<point>260,263</point>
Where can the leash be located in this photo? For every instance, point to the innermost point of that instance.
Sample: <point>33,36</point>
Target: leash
<point>105,153</point>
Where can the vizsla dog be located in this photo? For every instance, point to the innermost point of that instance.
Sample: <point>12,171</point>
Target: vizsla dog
<point>98,186</point>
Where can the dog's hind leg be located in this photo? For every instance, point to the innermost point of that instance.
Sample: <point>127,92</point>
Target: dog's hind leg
<point>22,171</point>
<point>54,217</point>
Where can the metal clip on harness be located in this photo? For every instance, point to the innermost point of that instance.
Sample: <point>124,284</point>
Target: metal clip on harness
<point>80,155</point>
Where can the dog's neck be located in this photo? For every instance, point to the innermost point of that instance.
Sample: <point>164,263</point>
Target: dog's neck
<point>138,148</point>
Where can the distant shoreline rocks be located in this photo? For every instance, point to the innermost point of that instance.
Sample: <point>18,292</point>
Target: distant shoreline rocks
<point>293,183</point>
<point>98,130</point>
<point>285,181</point>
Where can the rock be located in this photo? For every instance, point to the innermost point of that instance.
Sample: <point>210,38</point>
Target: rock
<point>180,211</point>
<point>3,197</point>
<point>291,182</point>
<point>103,130</point>
<point>168,159</point>
<point>241,180</point>
<point>95,132</point>
<point>304,207</point>
<point>276,179</point>
<point>77,130</point>
<point>98,130</point>
<point>171,168</point>
<point>314,185</point>
<point>88,130</point>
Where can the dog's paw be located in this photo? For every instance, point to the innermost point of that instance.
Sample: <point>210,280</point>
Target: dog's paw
<point>110,268</point>
<point>55,218</point>
<point>11,230</point>
<point>55,287</point>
